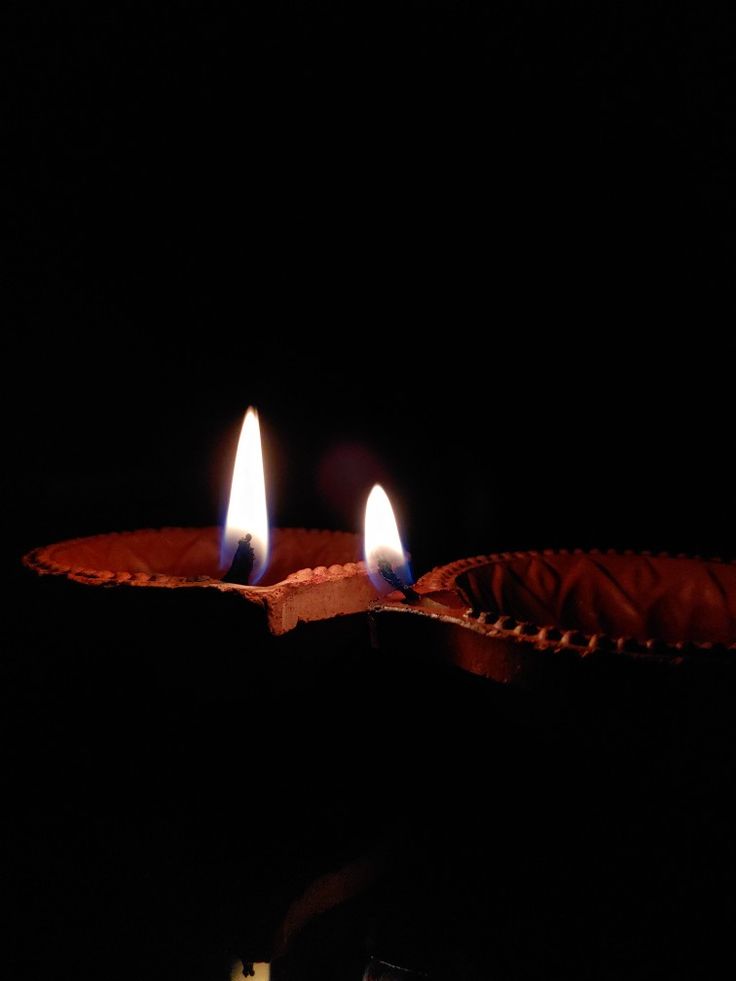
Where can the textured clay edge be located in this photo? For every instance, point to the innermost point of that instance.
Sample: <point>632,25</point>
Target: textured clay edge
<point>444,579</point>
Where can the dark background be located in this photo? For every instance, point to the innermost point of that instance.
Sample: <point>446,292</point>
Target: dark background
<point>481,252</point>
<point>488,245</point>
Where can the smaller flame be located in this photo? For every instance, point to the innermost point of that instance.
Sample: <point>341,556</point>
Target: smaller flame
<point>382,541</point>
<point>247,513</point>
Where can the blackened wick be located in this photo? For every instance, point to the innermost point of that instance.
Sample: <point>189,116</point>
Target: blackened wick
<point>242,567</point>
<point>388,573</point>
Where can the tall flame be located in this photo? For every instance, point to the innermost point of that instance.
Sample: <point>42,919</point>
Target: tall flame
<point>382,541</point>
<point>247,512</point>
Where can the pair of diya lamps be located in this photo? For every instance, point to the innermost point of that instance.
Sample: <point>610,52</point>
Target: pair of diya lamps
<point>520,619</point>
<point>515,618</point>
<point>609,638</point>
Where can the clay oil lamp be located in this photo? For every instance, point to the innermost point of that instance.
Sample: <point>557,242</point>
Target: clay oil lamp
<point>206,589</point>
<point>626,626</point>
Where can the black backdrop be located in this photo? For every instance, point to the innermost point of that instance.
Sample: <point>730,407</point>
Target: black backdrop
<point>488,246</point>
<point>478,251</point>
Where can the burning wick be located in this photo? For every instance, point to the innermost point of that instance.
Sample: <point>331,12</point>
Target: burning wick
<point>387,571</point>
<point>244,546</point>
<point>384,554</point>
<point>242,567</point>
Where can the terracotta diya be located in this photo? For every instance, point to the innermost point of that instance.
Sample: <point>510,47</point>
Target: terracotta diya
<point>191,593</point>
<point>150,603</point>
<point>538,620</point>
<point>313,575</point>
